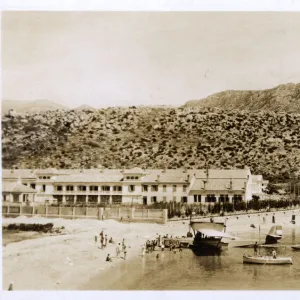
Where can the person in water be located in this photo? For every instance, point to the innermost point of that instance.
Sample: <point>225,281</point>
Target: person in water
<point>255,248</point>
<point>274,254</point>
<point>108,258</point>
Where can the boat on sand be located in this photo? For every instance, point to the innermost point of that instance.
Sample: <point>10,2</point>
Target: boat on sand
<point>267,260</point>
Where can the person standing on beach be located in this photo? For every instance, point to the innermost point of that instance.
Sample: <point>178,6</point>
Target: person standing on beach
<point>105,240</point>
<point>143,250</point>
<point>118,250</point>
<point>11,286</point>
<point>102,242</point>
<point>124,251</point>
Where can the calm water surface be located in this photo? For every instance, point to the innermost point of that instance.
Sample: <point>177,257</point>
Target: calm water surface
<point>185,271</point>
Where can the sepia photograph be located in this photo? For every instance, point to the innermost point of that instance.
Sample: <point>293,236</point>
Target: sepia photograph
<point>150,150</point>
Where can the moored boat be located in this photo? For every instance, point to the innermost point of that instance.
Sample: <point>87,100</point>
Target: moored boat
<point>296,247</point>
<point>177,242</point>
<point>267,260</point>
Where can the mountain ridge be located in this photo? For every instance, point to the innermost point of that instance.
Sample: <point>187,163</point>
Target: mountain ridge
<point>21,106</point>
<point>284,97</point>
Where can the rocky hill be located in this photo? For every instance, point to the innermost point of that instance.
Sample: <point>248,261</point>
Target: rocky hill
<point>285,97</point>
<point>268,142</point>
<point>30,106</point>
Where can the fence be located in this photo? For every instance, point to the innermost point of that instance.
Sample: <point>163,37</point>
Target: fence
<point>121,213</point>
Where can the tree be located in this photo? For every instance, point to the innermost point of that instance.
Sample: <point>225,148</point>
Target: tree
<point>271,189</point>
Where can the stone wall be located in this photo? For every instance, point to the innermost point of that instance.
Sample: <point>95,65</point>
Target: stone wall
<point>119,213</point>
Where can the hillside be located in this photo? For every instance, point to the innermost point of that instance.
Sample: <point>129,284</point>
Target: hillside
<point>285,98</point>
<point>30,106</point>
<point>268,142</point>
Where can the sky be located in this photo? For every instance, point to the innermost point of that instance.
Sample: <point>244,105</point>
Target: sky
<point>145,58</point>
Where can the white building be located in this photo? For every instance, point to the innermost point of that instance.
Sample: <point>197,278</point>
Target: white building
<point>138,186</point>
<point>259,186</point>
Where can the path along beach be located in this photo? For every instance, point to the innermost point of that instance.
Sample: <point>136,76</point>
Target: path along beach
<point>66,262</point>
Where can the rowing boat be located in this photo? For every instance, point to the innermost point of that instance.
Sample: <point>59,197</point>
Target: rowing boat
<point>267,260</point>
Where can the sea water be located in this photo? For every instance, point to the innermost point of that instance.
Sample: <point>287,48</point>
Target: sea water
<point>185,271</point>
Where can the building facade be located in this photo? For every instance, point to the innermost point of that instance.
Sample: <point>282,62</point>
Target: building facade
<point>136,186</point>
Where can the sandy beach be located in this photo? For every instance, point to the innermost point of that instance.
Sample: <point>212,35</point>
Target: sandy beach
<point>65,262</point>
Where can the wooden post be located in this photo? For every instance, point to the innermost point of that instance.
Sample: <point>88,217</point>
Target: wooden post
<point>59,211</point>
<point>165,216</point>
<point>20,211</point>
<point>148,213</point>
<point>101,213</point>
<point>73,212</point>
<point>32,212</point>
<point>8,208</point>
<point>86,211</point>
<point>132,212</point>
<point>46,210</point>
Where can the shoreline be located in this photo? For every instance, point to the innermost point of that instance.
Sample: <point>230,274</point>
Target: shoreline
<point>69,261</point>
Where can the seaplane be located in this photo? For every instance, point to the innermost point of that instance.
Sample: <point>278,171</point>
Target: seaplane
<point>208,238</point>
<point>273,237</point>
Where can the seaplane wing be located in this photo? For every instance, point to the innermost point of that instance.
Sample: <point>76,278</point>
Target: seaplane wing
<point>199,226</point>
<point>215,233</point>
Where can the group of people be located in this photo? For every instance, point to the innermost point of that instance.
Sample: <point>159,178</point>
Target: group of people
<point>119,249</point>
<point>103,240</point>
<point>150,245</point>
<point>159,242</point>
<point>103,243</point>
<point>274,253</point>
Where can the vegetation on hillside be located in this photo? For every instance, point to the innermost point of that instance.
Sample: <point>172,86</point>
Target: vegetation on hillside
<point>161,137</point>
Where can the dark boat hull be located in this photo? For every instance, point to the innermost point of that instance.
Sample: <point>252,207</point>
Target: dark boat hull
<point>205,251</point>
<point>207,247</point>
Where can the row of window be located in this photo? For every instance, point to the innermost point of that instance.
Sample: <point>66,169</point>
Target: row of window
<point>154,188</point>
<point>94,188</point>
<point>44,177</point>
<point>222,198</point>
<point>132,177</point>
<point>131,188</point>
<point>32,185</point>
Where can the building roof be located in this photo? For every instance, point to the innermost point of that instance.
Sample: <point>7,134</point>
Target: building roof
<point>113,175</point>
<point>16,173</point>
<point>257,178</point>
<point>218,185</point>
<point>135,170</point>
<point>46,171</point>
<point>16,187</point>
<point>165,178</point>
<point>85,178</point>
<point>218,173</point>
